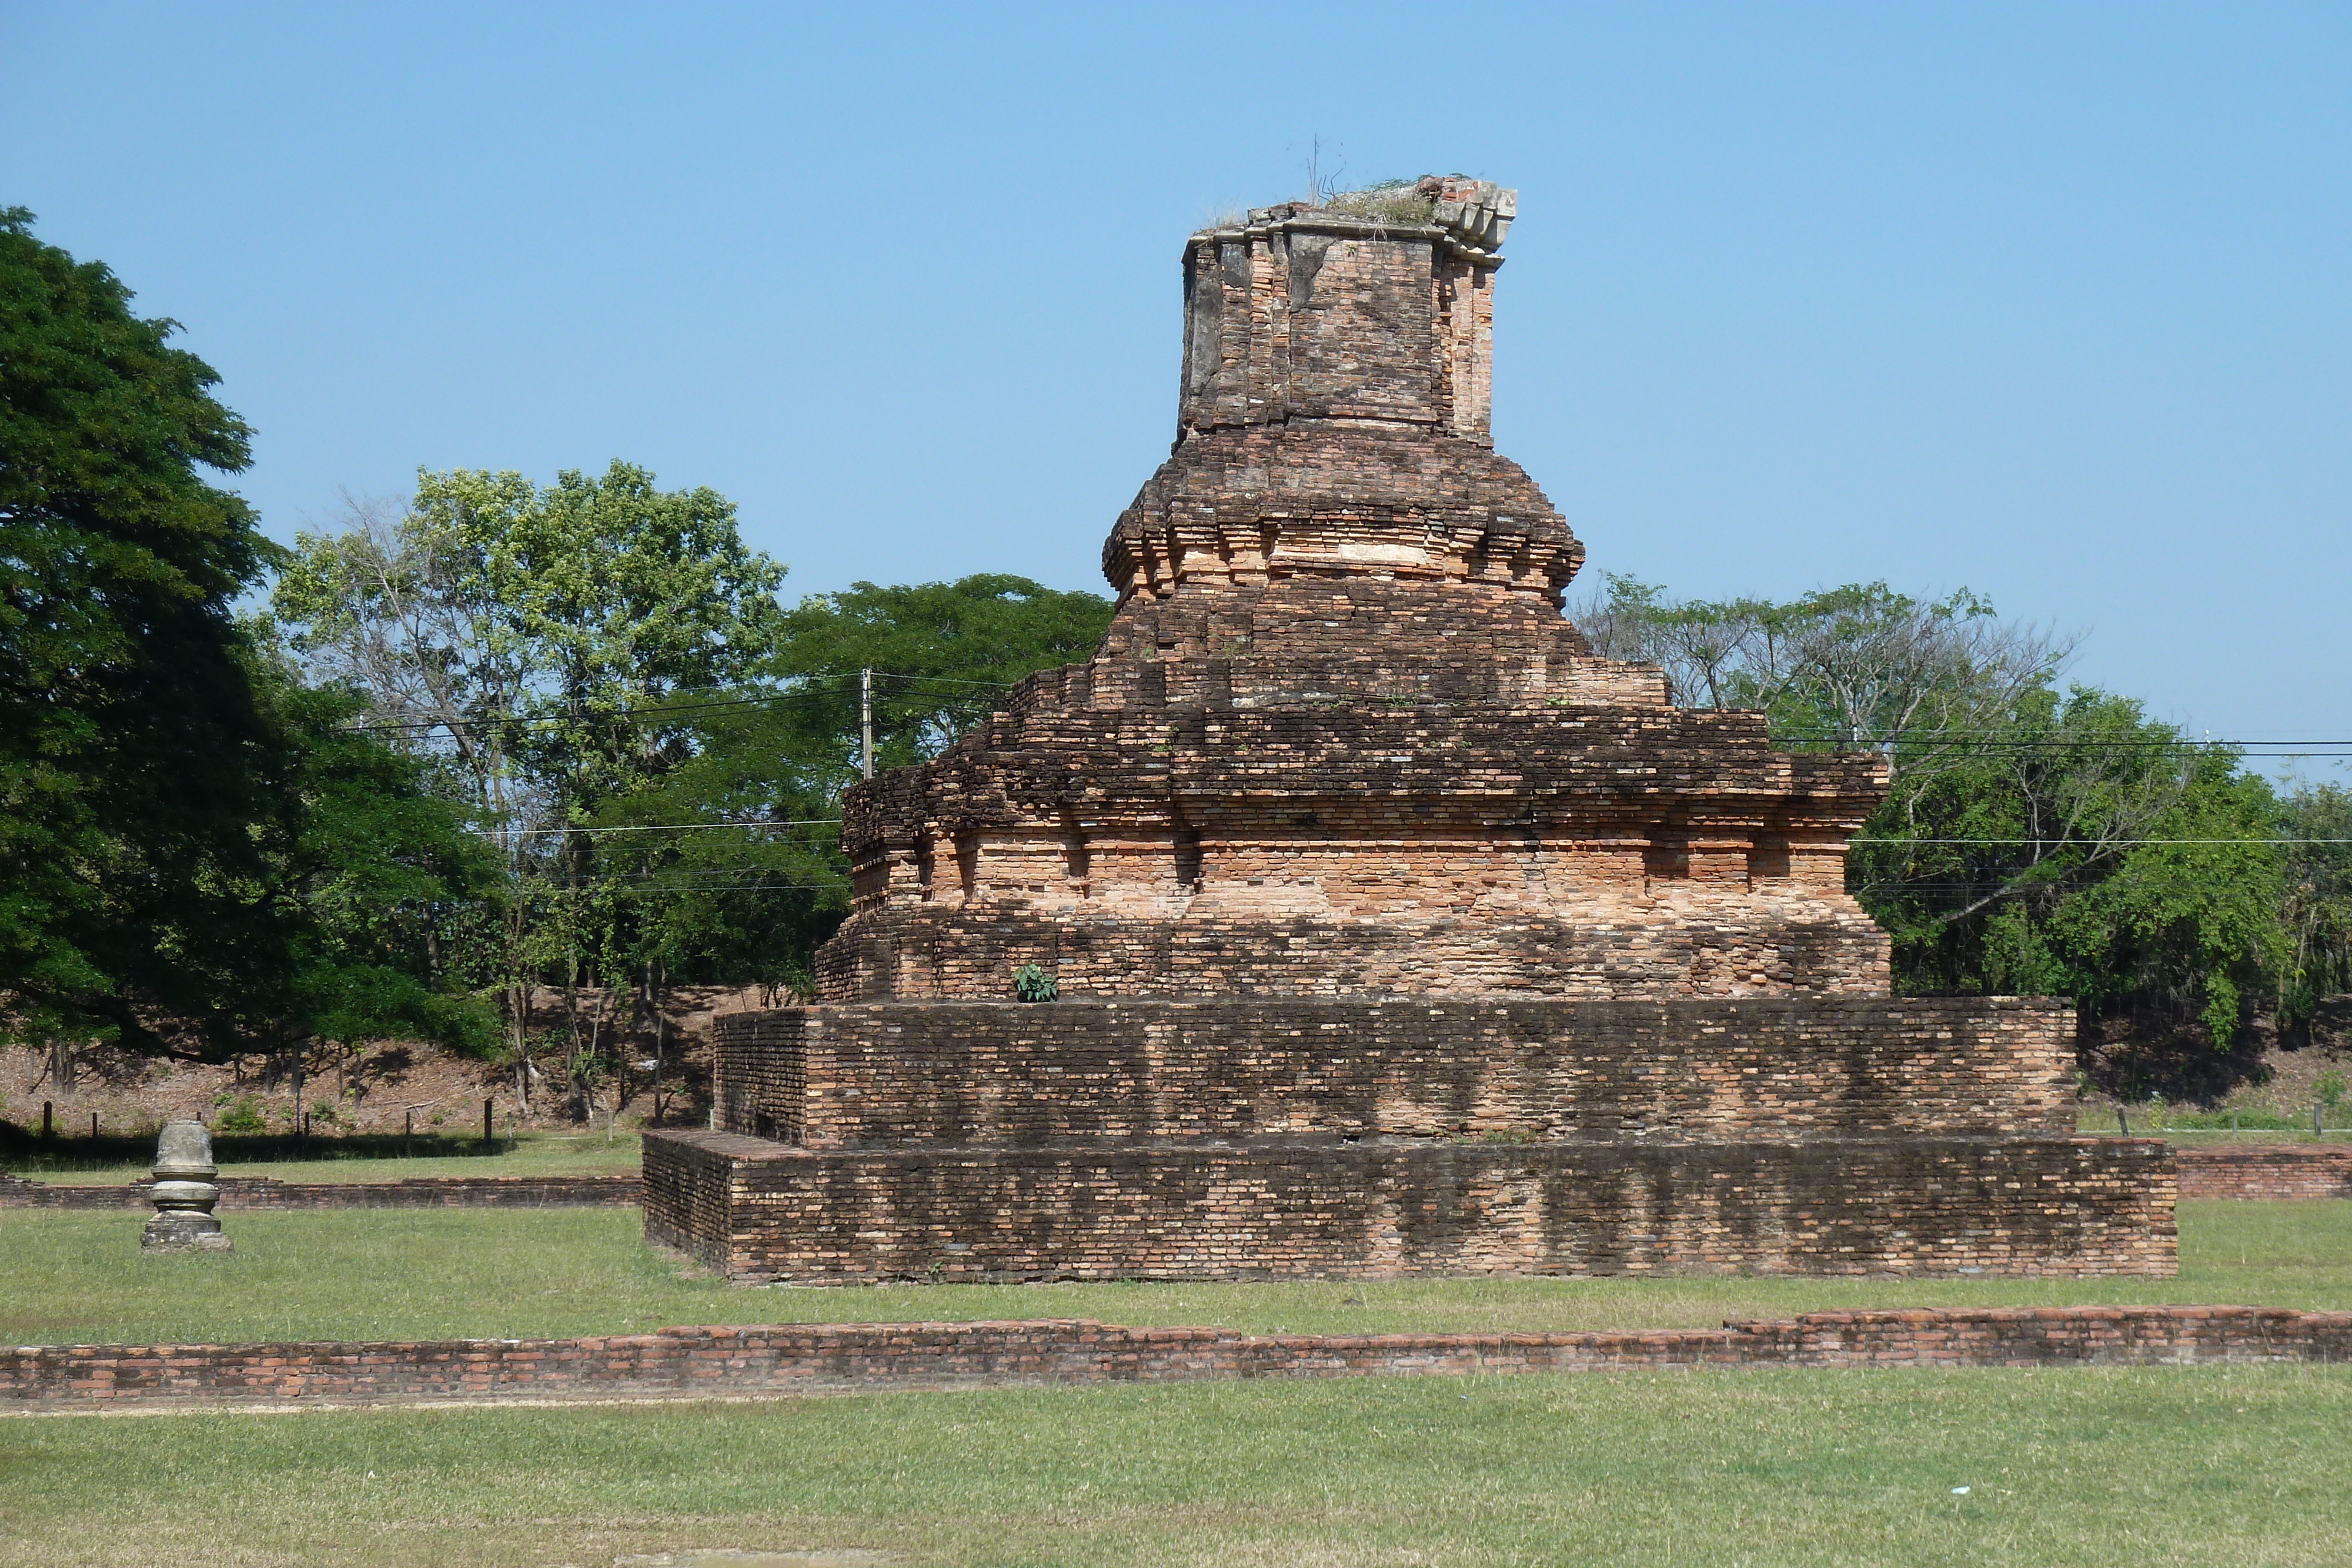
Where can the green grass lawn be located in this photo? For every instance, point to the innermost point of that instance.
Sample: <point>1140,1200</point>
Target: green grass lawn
<point>1756,1467</point>
<point>80,1278</point>
<point>528,1154</point>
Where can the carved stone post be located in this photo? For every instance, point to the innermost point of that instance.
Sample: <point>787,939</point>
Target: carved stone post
<point>185,1193</point>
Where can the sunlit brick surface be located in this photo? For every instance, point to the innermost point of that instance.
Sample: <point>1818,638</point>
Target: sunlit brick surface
<point>1395,932</point>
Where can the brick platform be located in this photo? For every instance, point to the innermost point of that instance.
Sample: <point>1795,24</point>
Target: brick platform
<point>415,1192</point>
<point>835,1076</point>
<point>2264,1172</point>
<point>724,1363</point>
<point>764,1211</point>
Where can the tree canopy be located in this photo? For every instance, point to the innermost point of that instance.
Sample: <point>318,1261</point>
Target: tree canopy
<point>135,760</point>
<point>2034,839</point>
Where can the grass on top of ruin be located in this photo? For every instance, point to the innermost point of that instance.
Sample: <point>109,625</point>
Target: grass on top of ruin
<point>1760,1467</point>
<point>443,1273</point>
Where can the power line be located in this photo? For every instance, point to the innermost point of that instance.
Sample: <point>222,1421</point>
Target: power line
<point>668,709</point>
<point>1984,738</point>
<point>656,828</point>
<point>2090,843</point>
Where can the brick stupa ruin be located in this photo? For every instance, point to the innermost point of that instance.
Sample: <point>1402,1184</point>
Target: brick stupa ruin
<point>1395,932</point>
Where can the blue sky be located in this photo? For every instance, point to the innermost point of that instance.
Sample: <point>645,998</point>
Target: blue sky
<point>2049,301</point>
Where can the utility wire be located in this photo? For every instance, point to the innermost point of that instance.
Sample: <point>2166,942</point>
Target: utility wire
<point>2094,843</point>
<point>655,827</point>
<point>1987,739</point>
<point>666,709</point>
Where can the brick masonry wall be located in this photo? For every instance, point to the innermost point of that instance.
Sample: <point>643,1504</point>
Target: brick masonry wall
<point>1574,851</point>
<point>2264,1172</point>
<point>763,1211</point>
<point>1338,737</point>
<point>853,1075</point>
<point>416,1192</point>
<point>704,1363</point>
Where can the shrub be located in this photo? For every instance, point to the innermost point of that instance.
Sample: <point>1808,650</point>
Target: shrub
<point>1031,984</point>
<point>2249,1119</point>
<point>1398,202</point>
<point>244,1116</point>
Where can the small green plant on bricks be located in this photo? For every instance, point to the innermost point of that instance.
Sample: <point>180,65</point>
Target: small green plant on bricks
<point>1033,983</point>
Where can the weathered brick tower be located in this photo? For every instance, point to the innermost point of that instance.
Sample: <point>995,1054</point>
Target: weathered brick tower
<point>1395,932</point>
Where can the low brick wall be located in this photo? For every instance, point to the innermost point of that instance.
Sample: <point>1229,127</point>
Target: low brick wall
<point>416,1192</point>
<point>765,1211</point>
<point>2272,1171</point>
<point>702,1363</point>
<point>850,1075</point>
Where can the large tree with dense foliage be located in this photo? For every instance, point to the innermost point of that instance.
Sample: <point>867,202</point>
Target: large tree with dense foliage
<point>384,883</point>
<point>753,901</point>
<point>2082,850</point>
<point>2315,907</point>
<point>545,645</point>
<point>600,669</point>
<point>135,761</point>
<point>2032,840</point>
<point>944,653</point>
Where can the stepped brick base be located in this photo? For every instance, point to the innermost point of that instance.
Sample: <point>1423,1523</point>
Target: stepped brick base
<point>736,1362</point>
<point>1240,1068</point>
<point>764,1211</point>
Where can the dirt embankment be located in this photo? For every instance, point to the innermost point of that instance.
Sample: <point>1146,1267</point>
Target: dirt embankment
<point>384,1086</point>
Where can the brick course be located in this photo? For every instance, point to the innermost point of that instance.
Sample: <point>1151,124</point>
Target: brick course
<point>763,1211</point>
<point>705,1363</point>
<point>1411,1066</point>
<point>2272,1172</point>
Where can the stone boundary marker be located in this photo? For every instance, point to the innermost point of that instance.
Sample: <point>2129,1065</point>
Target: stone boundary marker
<point>416,1192</point>
<point>2261,1171</point>
<point>737,1363</point>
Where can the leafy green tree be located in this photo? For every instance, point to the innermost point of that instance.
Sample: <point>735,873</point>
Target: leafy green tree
<point>135,761</point>
<point>375,872</point>
<point>755,879</point>
<point>658,749</point>
<point>2316,907</point>
<point>382,876</point>
<point>945,653</point>
<point>2084,850</point>
<point>1859,667</point>
<point>541,643</point>
<point>2032,842</point>
<point>754,902</point>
